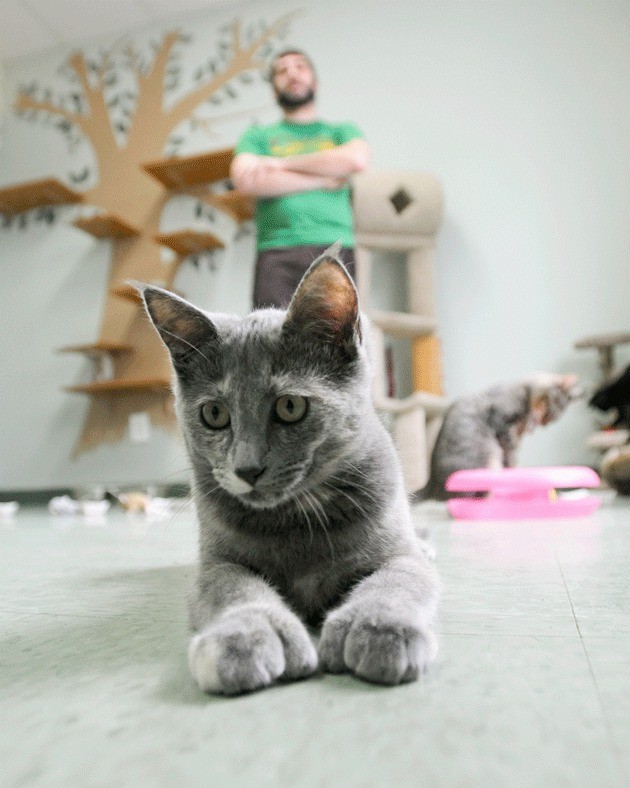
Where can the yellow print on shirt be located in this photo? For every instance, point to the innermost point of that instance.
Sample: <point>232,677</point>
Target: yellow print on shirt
<point>280,147</point>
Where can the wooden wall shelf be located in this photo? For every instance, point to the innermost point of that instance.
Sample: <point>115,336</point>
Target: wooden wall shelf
<point>186,242</point>
<point>129,293</point>
<point>98,348</point>
<point>106,225</point>
<point>240,206</point>
<point>35,194</point>
<point>605,345</point>
<point>177,173</point>
<point>122,386</point>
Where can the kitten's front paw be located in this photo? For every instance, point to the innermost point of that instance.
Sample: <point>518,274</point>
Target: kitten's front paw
<point>382,648</point>
<point>249,649</point>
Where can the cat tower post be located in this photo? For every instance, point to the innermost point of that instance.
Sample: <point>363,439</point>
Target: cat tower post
<point>401,212</point>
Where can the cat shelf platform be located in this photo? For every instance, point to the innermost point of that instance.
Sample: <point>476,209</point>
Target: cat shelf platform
<point>605,345</point>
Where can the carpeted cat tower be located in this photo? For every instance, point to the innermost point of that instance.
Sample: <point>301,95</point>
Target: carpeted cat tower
<point>402,212</point>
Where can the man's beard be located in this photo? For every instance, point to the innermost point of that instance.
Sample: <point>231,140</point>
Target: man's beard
<point>290,101</point>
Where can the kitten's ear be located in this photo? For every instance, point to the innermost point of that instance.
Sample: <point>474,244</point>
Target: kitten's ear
<point>571,384</point>
<point>183,328</point>
<point>326,304</point>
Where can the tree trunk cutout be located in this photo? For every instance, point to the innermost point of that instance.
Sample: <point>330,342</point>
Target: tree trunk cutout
<point>124,189</point>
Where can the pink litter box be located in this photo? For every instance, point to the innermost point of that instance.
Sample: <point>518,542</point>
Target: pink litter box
<point>515,493</point>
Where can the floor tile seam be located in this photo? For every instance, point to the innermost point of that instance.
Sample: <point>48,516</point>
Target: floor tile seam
<point>600,699</point>
<point>104,615</point>
<point>524,635</point>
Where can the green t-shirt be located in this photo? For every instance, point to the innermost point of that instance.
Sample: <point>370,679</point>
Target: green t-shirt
<point>312,217</point>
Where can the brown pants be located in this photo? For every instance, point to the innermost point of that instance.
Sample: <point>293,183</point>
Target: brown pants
<point>279,271</point>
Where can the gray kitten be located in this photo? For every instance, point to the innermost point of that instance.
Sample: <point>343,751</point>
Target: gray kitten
<point>299,494</point>
<point>485,430</point>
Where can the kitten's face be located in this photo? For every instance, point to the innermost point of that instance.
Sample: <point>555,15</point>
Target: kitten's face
<point>268,403</point>
<point>265,421</point>
<point>551,396</point>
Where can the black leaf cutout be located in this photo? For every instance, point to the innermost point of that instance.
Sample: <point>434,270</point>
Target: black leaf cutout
<point>81,176</point>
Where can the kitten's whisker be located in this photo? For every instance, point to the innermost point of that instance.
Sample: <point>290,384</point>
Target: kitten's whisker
<point>353,500</point>
<point>359,471</point>
<point>365,483</point>
<point>204,490</point>
<point>347,472</point>
<point>359,492</point>
<point>316,506</point>
<point>306,517</point>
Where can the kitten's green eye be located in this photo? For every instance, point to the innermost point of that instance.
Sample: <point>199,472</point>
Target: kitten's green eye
<point>291,408</point>
<point>215,415</point>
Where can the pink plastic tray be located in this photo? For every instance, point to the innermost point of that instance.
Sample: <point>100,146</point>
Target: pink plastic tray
<point>516,493</point>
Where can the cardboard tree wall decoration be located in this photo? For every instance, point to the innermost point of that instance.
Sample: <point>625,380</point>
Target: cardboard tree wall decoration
<point>130,200</point>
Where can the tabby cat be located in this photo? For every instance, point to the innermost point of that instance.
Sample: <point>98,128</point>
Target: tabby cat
<point>303,516</point>
<point>485,430</point>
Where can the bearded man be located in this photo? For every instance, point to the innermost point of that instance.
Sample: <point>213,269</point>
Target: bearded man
<point>298,170</point>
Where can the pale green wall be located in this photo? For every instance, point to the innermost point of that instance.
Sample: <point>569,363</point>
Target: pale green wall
<point>521,108</point>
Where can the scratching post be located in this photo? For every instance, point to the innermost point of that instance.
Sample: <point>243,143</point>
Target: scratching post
<point>426,364</point>
<point>402,211</point>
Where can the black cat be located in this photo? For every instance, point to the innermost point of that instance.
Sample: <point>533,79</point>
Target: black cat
<point>615,395</point>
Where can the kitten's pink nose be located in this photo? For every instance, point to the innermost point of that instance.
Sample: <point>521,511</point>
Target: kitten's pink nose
<point>250,474</point>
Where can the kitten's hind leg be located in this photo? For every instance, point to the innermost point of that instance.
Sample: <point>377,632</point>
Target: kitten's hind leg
<point>383,632</point>
<point>248,637</point>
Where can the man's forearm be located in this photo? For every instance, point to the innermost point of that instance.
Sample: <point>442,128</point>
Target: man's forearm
<point>275,183</point>
<point>260,176</point>
<point>339,162</point>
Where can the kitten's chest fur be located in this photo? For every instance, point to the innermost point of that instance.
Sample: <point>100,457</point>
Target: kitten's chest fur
<point>311,567</point>
<point>312,580</point>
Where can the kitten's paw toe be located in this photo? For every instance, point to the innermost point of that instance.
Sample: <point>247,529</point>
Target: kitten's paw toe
<point>331,644</point>
<point>232,662</point>
<point>388,654</point>
<point>203,656</point>
<point>299,653</point>
<point>429,551</point>
<point>380,652</point>
<point>249,651</point>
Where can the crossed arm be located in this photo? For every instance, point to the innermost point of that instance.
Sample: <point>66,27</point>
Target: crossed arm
<point>270,176</point>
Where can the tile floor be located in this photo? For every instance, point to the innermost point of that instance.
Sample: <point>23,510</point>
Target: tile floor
<point>532,687</point>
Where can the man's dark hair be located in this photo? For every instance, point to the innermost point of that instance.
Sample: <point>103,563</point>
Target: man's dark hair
<point>276,58</point>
